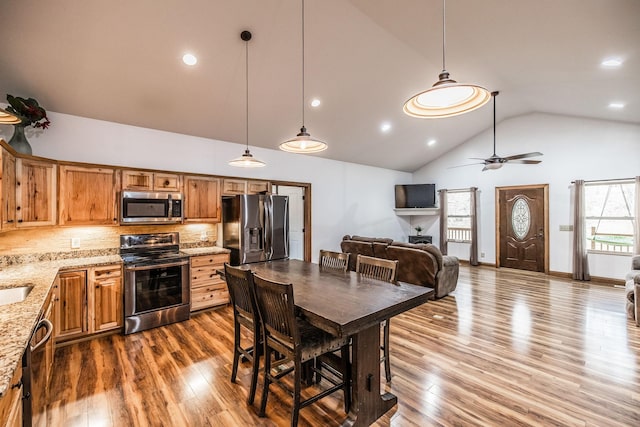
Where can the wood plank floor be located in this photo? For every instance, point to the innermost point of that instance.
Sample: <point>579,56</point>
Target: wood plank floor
<point>507,348</point>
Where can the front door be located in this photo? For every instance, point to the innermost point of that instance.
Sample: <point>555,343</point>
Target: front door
<point>523,224</point>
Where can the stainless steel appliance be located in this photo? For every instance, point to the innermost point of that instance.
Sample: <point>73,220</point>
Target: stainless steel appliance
<point>156,281</point>
<point>34,375</point>
<point>138,207</point>
<point>255,227</point>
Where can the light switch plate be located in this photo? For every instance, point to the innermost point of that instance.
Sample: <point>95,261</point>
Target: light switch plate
<point>566,228</point>
<point>75,243</point>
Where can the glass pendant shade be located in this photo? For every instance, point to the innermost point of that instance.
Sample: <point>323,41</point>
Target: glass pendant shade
<point>247,161</point>
<point>7,118</point>
<point>446,98</point>
<point>303,143</point>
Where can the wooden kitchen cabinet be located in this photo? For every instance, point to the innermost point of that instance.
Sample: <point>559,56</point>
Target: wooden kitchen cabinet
<point>90,301</point>
<point>134,180</point>
<point>202,199</point>
<point>8,189</point>
<point>35,192</point>
<point>257,187</point>
<point>88,196</point>
<point>71,311</point>
<point>11,402</point>
<point>231,187</point>
<point>208,289</point>
<point>106,283</point>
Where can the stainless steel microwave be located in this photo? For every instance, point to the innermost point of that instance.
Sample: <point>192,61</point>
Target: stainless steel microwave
<point>138,207</point>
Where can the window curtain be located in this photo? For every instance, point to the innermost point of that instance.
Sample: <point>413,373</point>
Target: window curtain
<point>443,222</point>
<point>580,260</point>
<point>473,255</point>
<point>636,223</point>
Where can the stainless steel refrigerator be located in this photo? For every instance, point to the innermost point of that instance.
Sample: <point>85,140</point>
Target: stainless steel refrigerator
<point>255,227</point>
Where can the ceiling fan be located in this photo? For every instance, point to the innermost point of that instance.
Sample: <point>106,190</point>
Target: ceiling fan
<point>495,161</point>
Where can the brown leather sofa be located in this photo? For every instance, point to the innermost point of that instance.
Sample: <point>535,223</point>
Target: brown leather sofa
<point>419,264</point>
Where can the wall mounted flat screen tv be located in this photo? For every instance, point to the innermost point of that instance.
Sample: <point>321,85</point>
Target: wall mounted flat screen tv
<point>416,196</point>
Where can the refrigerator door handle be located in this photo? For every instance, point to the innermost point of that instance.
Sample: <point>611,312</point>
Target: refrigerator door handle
<point>268,225</point>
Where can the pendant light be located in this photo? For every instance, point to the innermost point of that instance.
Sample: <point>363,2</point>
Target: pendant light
<point>247,160</point>
<point>6,118</point>
<point>446,98</point>
<point>303,142</point>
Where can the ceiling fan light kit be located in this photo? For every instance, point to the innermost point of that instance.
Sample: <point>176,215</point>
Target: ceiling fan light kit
<point>303,143</point>
<point>247,160</point>
<point>446,98</point>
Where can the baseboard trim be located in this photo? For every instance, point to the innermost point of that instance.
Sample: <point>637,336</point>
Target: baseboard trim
<point>563,274</point>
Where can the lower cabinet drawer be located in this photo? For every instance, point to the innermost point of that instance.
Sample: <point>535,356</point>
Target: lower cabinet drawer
<point>209,296</point>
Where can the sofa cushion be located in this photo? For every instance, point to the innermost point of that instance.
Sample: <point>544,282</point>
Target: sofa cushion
<point>372,239</point>
<point>414,265</point>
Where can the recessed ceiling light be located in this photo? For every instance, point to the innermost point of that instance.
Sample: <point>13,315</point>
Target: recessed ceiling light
<point>612,62</point>
<point>431,142</point>
<point>189,59</point>
<point>315,102</point>
<point>385,127</point>
<point>616,105</point>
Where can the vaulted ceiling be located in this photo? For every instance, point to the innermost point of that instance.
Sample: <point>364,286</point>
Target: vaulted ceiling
<point>120,61</point>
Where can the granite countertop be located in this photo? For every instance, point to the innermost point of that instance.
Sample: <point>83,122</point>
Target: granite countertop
<point>207,250</point>
<point>18,320</point>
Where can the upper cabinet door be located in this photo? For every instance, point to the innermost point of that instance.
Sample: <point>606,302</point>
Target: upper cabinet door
<point>202,199</point>
<point>88,196</point>
<point>151,181</point>
<point>8,188</point>
<point>35,192</point>
<point>234,186</point>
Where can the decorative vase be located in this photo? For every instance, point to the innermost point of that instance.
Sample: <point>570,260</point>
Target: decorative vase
<point>19,141</point>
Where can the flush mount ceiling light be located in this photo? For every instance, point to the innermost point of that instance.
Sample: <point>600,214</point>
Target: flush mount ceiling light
<point>189,59</point>
<point>247,160</point>
<point>611,62</point>
<point>7,118</point>
<point>303,142</point>
<point>446,98</point>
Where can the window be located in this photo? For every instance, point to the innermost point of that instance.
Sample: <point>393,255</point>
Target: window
<point>609,217</point>
<point>459,216</point>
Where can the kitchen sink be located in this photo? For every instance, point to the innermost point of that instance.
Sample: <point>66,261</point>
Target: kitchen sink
<point>11,295</point>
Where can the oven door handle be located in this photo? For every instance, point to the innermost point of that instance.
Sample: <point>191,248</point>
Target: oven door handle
<point>151,267</point>
<point>47,324</point>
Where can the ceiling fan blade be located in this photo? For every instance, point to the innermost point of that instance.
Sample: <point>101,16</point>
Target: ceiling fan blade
<point>468,164</point>
<point>523,156</point>
<point>526,162</point>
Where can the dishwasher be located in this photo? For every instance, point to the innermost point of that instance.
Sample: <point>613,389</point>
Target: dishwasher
<point>34,374</point>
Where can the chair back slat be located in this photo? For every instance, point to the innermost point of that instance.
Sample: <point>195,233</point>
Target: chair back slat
<point>240,284</point>
<point>336,260</point>
<point>377,268</point>
<point>277,310</point>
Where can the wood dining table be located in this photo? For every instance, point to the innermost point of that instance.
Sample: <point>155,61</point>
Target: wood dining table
<point>349,304</point>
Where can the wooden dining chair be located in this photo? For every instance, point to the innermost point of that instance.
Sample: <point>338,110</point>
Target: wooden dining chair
<point>386,270</point>
<point>336,260</point>
<point>295,341</point>
<point>245,314</point>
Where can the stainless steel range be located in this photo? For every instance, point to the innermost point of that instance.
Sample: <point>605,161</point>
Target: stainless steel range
<point>156,281</point>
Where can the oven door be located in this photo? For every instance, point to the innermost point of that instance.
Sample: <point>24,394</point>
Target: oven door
<point>155,287</point>
<point>156,295</point>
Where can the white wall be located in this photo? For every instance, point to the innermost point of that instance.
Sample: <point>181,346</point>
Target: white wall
<point>346,198</point>
<point>573,148</point>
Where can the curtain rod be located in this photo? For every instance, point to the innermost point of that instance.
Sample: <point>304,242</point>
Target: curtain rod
<point>458,190</point>
<point>606,180</point>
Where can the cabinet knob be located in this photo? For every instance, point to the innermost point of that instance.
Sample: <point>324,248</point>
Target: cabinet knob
<point>17,385</point>
<point>166,183</point>
<point>9,221</point>
<point>17,208</point>
<point>97,286</point>
<point>19,220</point>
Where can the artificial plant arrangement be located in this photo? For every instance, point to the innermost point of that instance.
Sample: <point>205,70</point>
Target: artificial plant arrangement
<point>418,229</point>
<point>28,111</point>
